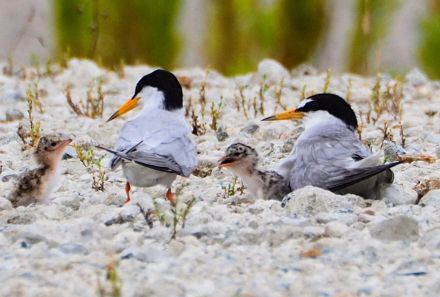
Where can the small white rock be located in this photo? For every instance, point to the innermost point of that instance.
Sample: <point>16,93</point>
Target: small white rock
<point>273,71</point>
<point>432,198</point>
<point>397,228</point>
<point>5,204</point>
<point>312,200</point>
<point>335,229</point>
<point>416,77</point>
<point>396,195</point>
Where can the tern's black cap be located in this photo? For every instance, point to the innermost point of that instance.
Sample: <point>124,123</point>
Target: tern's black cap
<point>166,82</point>
<point>333,104</point>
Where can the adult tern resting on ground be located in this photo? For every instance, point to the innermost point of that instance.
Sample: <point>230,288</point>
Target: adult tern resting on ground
<point>328,154</point>
<point>157,145</point>
<point>243,160</point>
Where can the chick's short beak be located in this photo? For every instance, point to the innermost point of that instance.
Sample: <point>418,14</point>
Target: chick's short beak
<point>290,114</point>
<point>124,108</point>
<point>225,161</point>
<point>62,144</point>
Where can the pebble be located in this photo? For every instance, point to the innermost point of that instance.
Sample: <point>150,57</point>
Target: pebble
<point>5,204</point>
<point>392,150</point>
<point>396,228</point>
<point>250,129</point>
<point>312,200</point>
<point>72,248</point>
<point>431,239</point>
<point>395,194</point>
<point>221,134</point>
<point>272,71</point>
<point>13,114</point>
<point>432,198</point>
<point>125,214</point>
<point>416,77</point>
<point>335,229</point>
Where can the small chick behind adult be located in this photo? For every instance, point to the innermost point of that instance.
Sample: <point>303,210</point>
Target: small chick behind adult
<point>243,160</point>
<point>36,185</point>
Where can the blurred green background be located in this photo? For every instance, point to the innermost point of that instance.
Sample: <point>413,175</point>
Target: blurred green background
<point>359,36</point>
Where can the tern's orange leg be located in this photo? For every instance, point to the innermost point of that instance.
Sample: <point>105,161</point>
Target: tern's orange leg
<point>170,197</point>
<point>127,192</point>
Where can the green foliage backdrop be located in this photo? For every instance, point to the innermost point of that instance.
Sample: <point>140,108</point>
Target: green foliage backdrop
<point>238,33</point>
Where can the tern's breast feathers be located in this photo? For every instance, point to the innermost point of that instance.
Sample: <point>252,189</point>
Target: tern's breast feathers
<point>164,133</point>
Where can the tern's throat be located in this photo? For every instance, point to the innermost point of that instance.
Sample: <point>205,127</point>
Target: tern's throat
<point>151,98</point>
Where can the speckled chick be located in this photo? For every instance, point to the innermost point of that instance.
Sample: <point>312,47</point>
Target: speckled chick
<point>243,160</point>
<point>36,185</point>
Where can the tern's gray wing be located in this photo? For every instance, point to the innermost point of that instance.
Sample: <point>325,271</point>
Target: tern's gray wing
<point>327,159</point>
<point>154,161</point>
<point>357,175</point>
<point>162,133</point>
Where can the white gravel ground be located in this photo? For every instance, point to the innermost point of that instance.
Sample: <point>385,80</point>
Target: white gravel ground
<point>320,244</point>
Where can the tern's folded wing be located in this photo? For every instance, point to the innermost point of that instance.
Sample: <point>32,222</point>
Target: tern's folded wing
<point>354,176</point>
<point>150,160</point>
<point>162,133</point>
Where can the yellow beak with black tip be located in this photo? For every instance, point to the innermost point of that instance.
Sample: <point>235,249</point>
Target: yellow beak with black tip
<point>126,107</point>
<point>290,114</point>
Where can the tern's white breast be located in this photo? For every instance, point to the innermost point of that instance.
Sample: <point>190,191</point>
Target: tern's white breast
<point>141,176</point>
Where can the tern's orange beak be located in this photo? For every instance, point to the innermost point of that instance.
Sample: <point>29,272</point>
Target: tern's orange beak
<point>126,107</point>
<point>290,114</point>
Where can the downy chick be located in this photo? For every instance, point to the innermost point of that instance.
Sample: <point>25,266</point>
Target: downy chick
<point>36,185</point>
<point>243,160</point>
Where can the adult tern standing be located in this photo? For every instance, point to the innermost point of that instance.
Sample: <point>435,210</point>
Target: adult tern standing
<point>157,145</point>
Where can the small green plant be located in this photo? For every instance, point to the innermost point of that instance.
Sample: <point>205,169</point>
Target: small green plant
<point>180,214</point>
<point>375,104</point>
<point>33,96</point>
<point>242,100</point>
<point>255,107</point>
<point>188,107</point>
<point>327,80</point>
<point>198,128</point>
<point>386,133</point>
<point>278,96</point>
<point>215,113</point>
<point>349,94</point>
<point>303,92</point>
<point>94,106</point>
<point>392,98</point>
<point>202,93</point>
<point>261,93</point>
<point>159,214</point>
<point>231,188</point>
<point>113,281</point>
<point>93,164</point>
<point>31,137</point>
<point>49,68</point>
